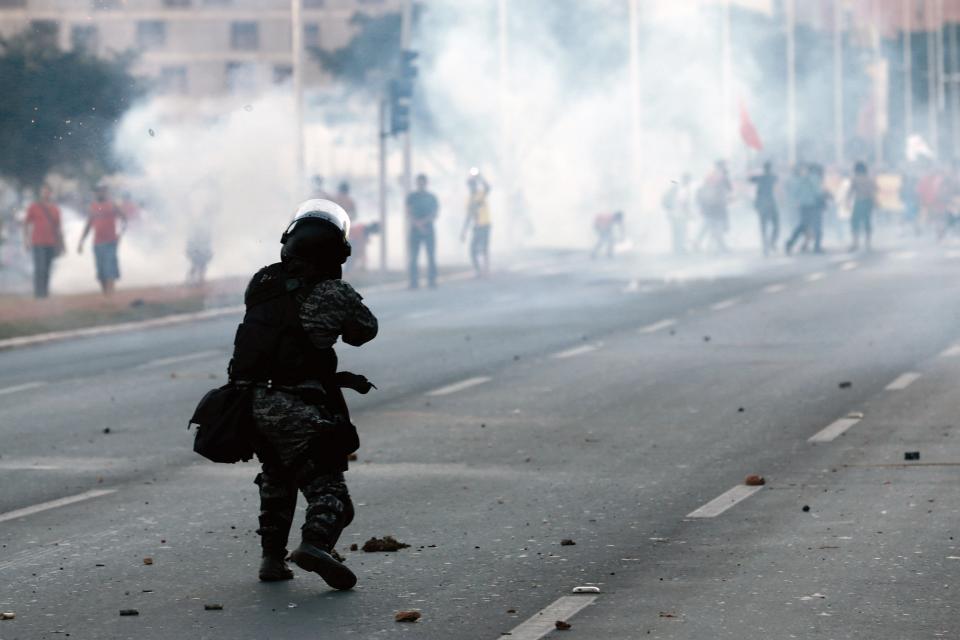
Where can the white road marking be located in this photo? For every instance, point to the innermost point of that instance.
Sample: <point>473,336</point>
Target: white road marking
<point>657,326</point>
<point>576,351</point>
<point>725,304</point>
<point>162,362</point>
<point>774,288</point>
<point>53,504</point>
<point>849,266</point>
<point>833,430</point>
<point>22,387</point>
<point>724,501</point>
<point>813,277</point>
<point>905,255</point>
<point>903,381</point>
<point>544,621</point>
<point>951,352</point>
<point>459,386</point>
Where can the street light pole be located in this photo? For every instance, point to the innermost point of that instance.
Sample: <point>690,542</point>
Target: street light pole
<point>405,28</point>
<point>791,8</point>
<point>838,128</point>
<point>296,40</point>
<point>633,24</point>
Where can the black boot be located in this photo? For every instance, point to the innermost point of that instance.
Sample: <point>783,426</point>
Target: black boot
<point>273,568</point>
<point>311,558</point>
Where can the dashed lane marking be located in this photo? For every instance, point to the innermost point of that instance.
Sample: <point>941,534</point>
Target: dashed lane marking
<point>576,351</point>
<point>22,387</point>
<point>904,255</point>
<point>834,430</point>
<point>725,304</point>
<point>903,381</point>
<point>53,504</point>
<point>658,326</point>
<point>459,386</point>
<point>162,362</point>
<point>951,352</point>
<point>774,288</point>
<point>724,501</point>
<point>849,266</point>
<point>544,621</point>
<point>813,277</point>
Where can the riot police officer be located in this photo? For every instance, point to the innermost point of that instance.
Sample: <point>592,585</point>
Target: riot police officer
<point>295,311</point>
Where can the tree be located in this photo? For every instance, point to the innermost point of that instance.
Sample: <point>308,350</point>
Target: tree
<point>372,52</point>
<point>59,110</point>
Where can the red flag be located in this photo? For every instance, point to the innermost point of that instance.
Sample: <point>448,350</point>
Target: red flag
<point>749,132</point>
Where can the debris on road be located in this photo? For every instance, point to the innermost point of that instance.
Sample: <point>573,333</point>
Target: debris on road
<point>706,338</point>
<point>387,543</point>
<point>106,429</point>
<point>846,384</point>
<point>148,560</point>
<point>7,615</point>
<point>755,480</point>
<point>567,542</point>
<point>129,612</point>
<point>806,508</point>
<point>407,616</point>
<point>741,410</point>
<point>667,614</point>
<point>563,625</point>
<point>213,607</point>
<point>589,589</point>
<point>337,556</point>
<point>911,455</point>
<point>511,610</point>
<point>354,547</point>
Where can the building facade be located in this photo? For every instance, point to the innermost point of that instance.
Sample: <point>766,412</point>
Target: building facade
<point>194,48</point>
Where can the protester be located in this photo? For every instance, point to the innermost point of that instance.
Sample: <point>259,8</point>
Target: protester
<point>713,197</point>
<point>765,203</point>
<point>478,218</point>
<point>422,210</point>
<point>103,215</point>
<point>607,226</point>
<point>345,200</point>
<point>863,195</point>
<point>360,234</point>
<point>43,235</point>
<point>200,253</point>
<point>677,203</point>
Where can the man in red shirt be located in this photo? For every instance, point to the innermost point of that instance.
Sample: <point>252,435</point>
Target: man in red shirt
<point>43,234</point>
<point>102,218</point>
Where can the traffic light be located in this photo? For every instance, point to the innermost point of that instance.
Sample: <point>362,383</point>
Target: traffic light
<point>401,93</point>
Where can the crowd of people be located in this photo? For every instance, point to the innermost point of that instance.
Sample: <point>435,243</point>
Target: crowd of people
<point>809,201</point>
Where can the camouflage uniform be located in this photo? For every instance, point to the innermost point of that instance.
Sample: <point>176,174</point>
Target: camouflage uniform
<point>293,427</point>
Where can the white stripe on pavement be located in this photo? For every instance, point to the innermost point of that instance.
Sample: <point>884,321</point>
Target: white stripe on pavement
<point>849,266</point>
<point>724,304</point>
<point>813,277</point>
<point>657,326</point>
<point>951,352</point>
<point>903,381</point>
<point>53,504</point>
<point>833,430</point>
<point>576,351</point>
<point>459,386</point>
<point>544,621</point>
<point>724,501</point>
<point>904,255</point>
<point>22,387</point>
<point>161,362</point>
<point>774,288</point>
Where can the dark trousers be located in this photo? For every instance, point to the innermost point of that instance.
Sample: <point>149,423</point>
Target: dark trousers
<point>861,221</point>
<point>811,226</point>
<point>42,266</point>
<point>769,225</point>
<point>329,508</point>
<point>427,239</point>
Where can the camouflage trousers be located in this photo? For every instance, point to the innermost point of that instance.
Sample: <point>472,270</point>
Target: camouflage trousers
<point>290,426</point>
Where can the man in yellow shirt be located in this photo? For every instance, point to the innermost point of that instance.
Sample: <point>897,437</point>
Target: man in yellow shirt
<point>478,216</point>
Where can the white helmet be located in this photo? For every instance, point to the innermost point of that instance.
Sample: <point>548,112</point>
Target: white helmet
<point>320,209</point>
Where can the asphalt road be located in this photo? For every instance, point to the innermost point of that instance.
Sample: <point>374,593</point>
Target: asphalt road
<point>609,403</point>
